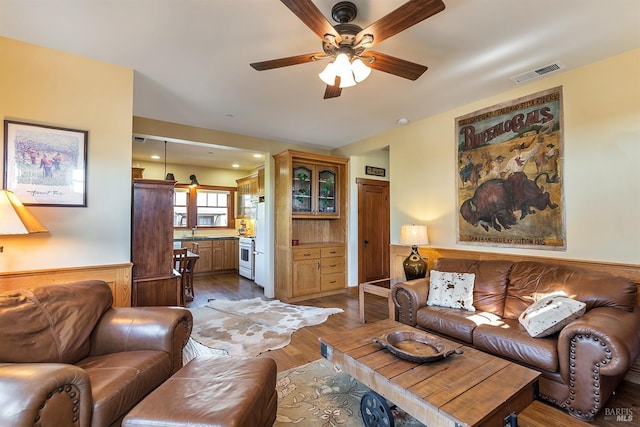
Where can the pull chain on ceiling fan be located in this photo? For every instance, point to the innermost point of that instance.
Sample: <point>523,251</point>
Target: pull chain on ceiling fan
<point>348,43</point>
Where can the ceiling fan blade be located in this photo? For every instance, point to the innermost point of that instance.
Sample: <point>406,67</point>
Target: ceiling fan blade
<point>308,13</point>
<point>396,66</point>
<point>333,91</point>
<point>405,16</point>
<point>285,62</point>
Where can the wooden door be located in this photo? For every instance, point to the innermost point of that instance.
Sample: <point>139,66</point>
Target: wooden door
<point>373,229</point>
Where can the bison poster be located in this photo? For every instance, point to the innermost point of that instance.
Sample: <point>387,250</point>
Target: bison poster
<point>509,185</point>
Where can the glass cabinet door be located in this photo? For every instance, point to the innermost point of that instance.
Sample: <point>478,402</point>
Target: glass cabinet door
<point>326,190</point>
<point>302,189</point>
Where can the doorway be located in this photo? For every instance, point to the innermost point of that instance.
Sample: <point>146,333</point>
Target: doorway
<point>373,229</point>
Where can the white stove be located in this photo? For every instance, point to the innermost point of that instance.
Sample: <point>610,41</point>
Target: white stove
<point>245,257</point>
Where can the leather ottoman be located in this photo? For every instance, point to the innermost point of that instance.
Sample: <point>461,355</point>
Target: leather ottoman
<point>212,392</point>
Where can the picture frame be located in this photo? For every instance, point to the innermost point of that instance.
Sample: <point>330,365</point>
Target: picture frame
<point>45,165</point>
<point>510,186</point>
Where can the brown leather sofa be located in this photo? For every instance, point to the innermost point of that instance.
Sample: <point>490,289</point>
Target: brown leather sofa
<point>581,365</point>
<point>67,358</point>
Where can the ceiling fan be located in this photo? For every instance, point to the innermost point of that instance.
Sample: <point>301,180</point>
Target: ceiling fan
<point>348,43</point>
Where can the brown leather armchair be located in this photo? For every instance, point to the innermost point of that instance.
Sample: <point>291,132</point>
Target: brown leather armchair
<point>67,358</point>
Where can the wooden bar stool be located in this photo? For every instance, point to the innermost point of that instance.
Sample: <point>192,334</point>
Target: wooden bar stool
<point>180,265</point>
<point>189,292</point>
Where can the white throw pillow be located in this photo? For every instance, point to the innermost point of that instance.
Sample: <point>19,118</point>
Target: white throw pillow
<point>453,290</point>
<point>550,314</point>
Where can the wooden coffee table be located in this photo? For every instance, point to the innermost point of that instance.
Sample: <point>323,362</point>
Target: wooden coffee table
<point>468,389</point>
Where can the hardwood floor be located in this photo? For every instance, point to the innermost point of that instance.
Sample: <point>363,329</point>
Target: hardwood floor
<point>305,347</point>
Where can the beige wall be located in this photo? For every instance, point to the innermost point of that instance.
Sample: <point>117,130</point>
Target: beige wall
<point>44,86</point>
<point>602,150</point>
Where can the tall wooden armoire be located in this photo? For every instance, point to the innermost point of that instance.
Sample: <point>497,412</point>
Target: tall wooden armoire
<point>154,280</point>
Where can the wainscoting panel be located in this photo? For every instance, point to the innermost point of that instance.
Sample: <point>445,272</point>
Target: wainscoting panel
<point>118,276</point>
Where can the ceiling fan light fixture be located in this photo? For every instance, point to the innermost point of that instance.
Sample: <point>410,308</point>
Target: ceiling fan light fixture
<point>328,75</point>
<point>360,70</point>
<point>346,79</point>
<point>349,72</point>
<point>342,66</point>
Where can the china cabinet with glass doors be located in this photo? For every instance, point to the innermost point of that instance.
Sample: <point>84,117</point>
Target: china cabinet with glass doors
<point>311,225</point>
<point>314,190</point>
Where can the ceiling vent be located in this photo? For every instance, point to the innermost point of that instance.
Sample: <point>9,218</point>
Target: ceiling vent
<point>530,75</point>
<point>139,139</point>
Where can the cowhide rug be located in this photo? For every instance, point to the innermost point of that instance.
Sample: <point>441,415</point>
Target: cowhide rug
<point>249,327</point>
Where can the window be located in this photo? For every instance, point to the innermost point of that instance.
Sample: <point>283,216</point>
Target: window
<point>203,206</point>
<point>211,208</point>
<point>180,206</point>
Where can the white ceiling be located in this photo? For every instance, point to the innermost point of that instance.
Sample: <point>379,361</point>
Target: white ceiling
<point>191,57</point>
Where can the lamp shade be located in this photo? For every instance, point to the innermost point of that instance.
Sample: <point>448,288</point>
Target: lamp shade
<point>349,72</point>
<point>360,70</point>
<point>15,218</point>
<point>414,235</point>
<point>343,69</point>
<point>328,75</point>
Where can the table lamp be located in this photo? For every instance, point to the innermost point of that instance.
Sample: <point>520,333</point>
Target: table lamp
<point>415,267</point>
<point>15,218</point>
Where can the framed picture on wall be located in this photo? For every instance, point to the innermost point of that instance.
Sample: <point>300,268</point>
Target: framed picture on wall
<point>45,165</point>
<point>510,188</point>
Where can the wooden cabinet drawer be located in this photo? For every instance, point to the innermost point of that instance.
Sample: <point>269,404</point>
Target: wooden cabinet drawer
<point>332,281</point>
<point>332,251</point>
<point>309,253</point>
<point>219,243</point>
<point>332,265</point>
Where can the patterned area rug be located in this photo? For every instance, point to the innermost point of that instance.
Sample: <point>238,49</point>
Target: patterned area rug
<point>250,327</point>
<point>317,394</point>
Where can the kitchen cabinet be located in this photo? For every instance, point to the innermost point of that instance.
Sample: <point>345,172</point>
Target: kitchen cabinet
<point>247,196</point>
<point>204,252</point>
<point>310,208</point>
<point>306,277</point>
<point>261,181</point>
<point>318,268</point>
<point>154,280</point>
<point>231,252</point>
<point>216,255</point>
